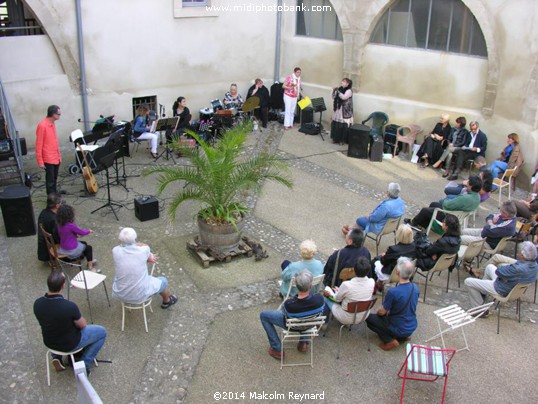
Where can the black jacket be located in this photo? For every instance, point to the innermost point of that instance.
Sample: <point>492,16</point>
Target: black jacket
<point>394,252</point>
<point>347,259</point>
<point>448,244</point>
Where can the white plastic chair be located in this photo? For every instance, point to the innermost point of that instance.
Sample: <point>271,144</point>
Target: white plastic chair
<point>455,317</point>
<point>468,253</point>
<point>515,294</point>
<point>505,182</point>
<point>391,225</point>
<point>88,280</point>
<point>137,306</point>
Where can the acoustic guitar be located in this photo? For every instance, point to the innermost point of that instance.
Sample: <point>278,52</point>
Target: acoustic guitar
<point>89,180</point>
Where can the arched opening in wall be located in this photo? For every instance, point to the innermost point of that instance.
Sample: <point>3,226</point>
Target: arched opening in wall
<point>438,25</point>
<point>17,19</point>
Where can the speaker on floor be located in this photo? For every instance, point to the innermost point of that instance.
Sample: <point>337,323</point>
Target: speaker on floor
<point>358,140</point>
<point>146,208</point>
<point>17,211</point>
<point>307,116</point>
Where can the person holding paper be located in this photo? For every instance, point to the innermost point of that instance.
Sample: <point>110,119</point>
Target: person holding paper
<point>343,111</point>
<point>292,89</point>
<point>142,131</point>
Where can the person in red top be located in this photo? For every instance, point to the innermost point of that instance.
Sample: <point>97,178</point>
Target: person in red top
<point>47,151</point>
<point>292,89</point>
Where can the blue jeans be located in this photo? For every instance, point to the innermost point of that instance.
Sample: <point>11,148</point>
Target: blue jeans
<point>362,222</point>
<point>92,338</point>
<point>496,168</point>
<point>270,319</point>
<point>164,284</point>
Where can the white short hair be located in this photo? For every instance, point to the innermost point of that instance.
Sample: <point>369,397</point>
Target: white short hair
<point>127,235</point>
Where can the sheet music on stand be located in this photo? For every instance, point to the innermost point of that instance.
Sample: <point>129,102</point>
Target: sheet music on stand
<point>166,124</point>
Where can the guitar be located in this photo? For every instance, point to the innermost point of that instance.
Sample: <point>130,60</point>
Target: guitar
<point>89,179</point>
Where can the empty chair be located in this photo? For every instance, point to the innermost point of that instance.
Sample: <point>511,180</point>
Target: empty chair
<point>407,134</point>
<point>497,250</point>
<point>443,263</point>
<point>505,182</point>
<point>427,364</point>
<point>77,137</point>
<point>379,119</point>
<point>468,253</point>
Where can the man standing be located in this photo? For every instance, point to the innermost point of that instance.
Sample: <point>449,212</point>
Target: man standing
<point>397,318</point>
<point>47,151</point>
<point>63,327</point>
<point>301,306</point>
<point>501,280</point>
<point>474,146</point>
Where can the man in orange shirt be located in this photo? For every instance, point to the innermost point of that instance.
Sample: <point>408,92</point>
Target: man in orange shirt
<point>47,151</point>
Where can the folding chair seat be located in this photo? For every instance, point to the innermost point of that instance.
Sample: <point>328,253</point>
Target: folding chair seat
<point>444,262</point>
<point>515,295</point>
<point>71,354</point>
<point>455,317</point>
<point>356,308</point>
<point>390,227</point>
<point>427,364</point>
<point>301,329</point>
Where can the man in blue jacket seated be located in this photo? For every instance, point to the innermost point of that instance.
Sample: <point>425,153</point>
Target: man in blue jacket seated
<point>397,318</point>
<point>301,306</point>
<point>392,207</point>
<point>501,280</point>
<point>497,226</point>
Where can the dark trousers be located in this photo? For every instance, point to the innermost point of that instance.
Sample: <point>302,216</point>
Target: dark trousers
<point>51,176</point>
<point>461,157</point>
<point>424,217</point>
<point>380,325</point>
<point>262,113</point>
<point>88,252</point>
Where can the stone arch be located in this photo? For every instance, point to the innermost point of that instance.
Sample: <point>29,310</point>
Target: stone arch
<point>52,23</point>
<point>358,23</point>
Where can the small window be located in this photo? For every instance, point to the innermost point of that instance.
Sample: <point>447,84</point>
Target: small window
<point>441,25</point>
<point>317,18</point>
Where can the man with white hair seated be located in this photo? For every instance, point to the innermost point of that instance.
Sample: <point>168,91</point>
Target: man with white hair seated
<point>502,279</point>
<point>396,319</point>
<point>301,306</point>
<point>132,282</point>
<point>393,206</point>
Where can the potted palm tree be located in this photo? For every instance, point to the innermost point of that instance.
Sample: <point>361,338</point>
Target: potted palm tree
<point>218,177</point>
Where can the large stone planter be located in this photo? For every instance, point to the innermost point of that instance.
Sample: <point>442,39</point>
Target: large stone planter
<point>225,237</point>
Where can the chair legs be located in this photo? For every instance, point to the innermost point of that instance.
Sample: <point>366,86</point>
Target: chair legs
<point>136,306</point>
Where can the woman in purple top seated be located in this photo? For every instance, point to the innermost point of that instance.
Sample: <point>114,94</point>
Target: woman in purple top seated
<point>69,233</point>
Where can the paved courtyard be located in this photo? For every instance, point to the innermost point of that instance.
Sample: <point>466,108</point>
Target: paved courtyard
<point>211,346</point>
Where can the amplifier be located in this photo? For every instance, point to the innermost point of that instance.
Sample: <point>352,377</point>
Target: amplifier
<point>146,208</point>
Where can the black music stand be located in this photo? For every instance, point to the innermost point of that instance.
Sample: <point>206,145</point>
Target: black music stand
<point>114,144</point>
<point>319,106</point>
<point>167,124</point>
<point>105,163</point>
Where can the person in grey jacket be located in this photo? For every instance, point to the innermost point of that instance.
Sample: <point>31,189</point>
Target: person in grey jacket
<point>501,280</point>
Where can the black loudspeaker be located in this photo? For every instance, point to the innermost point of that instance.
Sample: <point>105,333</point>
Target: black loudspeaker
<point>307,116</point>
<point>17,211</point>
<point>146,208</point>
<point>358,140</point>
<point>376,150</point>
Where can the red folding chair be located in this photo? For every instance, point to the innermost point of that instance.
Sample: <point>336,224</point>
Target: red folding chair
<point>426,364</point>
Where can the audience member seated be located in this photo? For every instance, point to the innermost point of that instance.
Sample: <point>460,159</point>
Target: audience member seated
<point>452,189</point>
<point>345,257</point>
<point>511,157</point>
<point>466,202</point>
<point>260,91</point>
<point>396,319</point>
<point>432,147</point>
<point>526,209</point>
<point>497,227</point>
<point>384,264</point>
<point>63,327</point>
<point>47,218</point>
<point>359,288</point>
<point>132,281</point>
<point>392,207</point>
<point>69,234</point>
<point>501,279</point>
<point>301,306</point>
<point>232,99</point>
<point>449,243</point>
<point>475,145</point>
<point>141,129</point>
<point>455,139</point>
<point>289,269</point>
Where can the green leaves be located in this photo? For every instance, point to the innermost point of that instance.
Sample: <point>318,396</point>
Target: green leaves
<point>218,175</point>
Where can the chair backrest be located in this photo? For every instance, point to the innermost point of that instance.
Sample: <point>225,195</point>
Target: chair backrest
<point>460,214</point>
<point>474,248</point>
<point>444,262</point>
<point>316,281</point>
<point>410,132</point>
<point>391,225</point>
<point>363,306</point>
<point>306,326</point>
<point>505,179</point>
<point>51,247</point>
<point>516,293</point>
<point>75,135</point>
<point>501,245</point>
